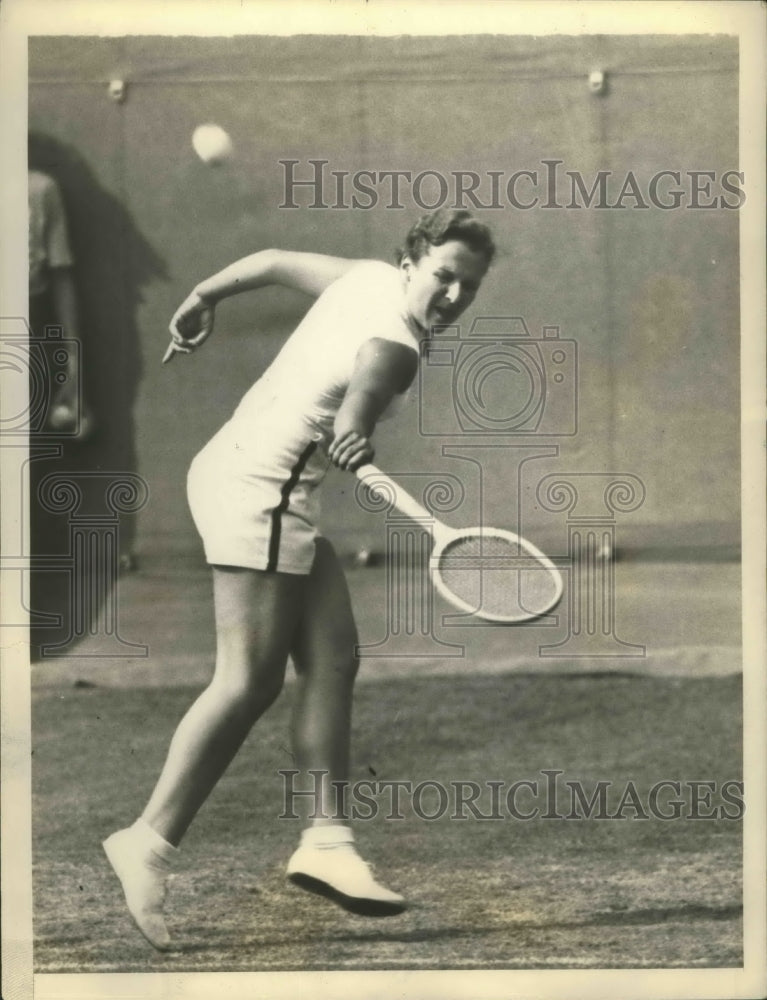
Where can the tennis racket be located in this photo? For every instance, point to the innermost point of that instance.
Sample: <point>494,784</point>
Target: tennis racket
<point>491,573</point>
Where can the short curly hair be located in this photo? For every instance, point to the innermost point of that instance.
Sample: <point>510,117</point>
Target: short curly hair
<point>436,228</point>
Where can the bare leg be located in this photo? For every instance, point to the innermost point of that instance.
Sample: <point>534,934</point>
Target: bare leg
<point>327,862</point>
<point>326,666</point>
<point>256,618</point>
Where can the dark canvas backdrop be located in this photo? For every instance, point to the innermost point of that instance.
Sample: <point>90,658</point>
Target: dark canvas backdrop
<point>651,297</point>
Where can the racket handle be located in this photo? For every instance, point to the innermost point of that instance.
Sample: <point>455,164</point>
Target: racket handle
<point>384,487</point>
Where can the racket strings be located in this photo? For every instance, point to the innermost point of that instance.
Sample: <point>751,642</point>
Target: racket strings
<point>498,577</point>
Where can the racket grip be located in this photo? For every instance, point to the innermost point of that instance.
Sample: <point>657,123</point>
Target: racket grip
<point>383,486</point>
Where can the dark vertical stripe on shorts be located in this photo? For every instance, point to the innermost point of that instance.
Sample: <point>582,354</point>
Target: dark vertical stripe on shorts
<point>279,510</point>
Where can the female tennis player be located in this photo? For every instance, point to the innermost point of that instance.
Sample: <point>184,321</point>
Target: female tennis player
<point>279,589</point>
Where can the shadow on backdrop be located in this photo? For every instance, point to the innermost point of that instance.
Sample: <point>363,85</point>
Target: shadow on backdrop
<point>84,491</point>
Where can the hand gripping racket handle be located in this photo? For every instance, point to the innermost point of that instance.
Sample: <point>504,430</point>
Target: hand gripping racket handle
<point>383,486</point>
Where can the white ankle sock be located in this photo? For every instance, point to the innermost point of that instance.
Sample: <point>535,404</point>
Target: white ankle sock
<point>152,843</point>
<point>324,836</point>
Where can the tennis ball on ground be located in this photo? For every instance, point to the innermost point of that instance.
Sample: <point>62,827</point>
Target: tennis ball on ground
<point>212,144</point>
<point>63,417</point>
<point>66,419</point>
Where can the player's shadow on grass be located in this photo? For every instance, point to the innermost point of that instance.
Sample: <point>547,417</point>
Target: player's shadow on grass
<point>649,916</point>
<point>412,936</point>
<point>658,915</point>
<point>613,918</point>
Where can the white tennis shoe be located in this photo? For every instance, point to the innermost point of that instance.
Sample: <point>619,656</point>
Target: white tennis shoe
<point>327,864</point>
<point>143,871</point>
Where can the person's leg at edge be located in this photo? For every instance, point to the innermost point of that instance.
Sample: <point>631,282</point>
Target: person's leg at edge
<point>324,655</point>
<point>326,665</point>
<point>256,615</point>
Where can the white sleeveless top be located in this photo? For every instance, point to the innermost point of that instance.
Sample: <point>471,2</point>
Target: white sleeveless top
<point>309,377</point>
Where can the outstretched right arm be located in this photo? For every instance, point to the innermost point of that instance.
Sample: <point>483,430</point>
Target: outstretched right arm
<point>312,273</point>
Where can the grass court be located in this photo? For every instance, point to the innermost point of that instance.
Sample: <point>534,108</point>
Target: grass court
<point>495,894</point>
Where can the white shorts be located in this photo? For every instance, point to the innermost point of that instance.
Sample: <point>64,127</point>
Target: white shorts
<point>255,502</point>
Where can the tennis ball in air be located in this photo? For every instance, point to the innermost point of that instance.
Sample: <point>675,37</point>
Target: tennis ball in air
<point>212,144</point>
